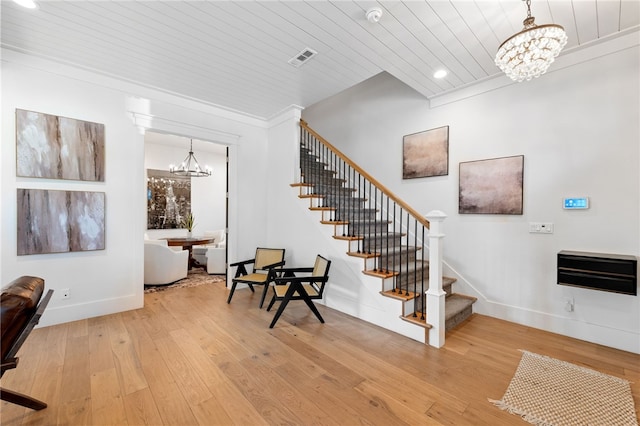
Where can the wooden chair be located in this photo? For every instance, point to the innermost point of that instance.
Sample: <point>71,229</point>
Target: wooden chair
<point>265,265</point>
<point>291,287</point>
<point>19,313</point>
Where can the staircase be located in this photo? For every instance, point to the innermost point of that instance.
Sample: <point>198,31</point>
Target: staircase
<point>376,226</point>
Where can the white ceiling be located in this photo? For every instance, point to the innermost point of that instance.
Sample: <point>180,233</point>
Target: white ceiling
<point>234,53</point>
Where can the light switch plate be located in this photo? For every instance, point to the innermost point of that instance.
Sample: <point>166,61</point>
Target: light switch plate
<point>540,228</point>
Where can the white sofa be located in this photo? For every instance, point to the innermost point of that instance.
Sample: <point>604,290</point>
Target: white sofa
<point>213,254</point>
<point>162,265</point>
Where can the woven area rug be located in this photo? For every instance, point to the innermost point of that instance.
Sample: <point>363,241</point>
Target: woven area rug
<point>195,278</point>
<point>547,391</point>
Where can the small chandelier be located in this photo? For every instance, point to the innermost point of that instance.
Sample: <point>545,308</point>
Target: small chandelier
<point>529,53</point>
<point>190,166</point>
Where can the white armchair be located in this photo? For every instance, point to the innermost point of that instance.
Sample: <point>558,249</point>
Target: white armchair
<point>213,254</point>
<point>163,265</point>
<point>216,260</point>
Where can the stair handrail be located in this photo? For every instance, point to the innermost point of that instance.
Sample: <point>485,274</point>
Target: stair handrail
<point>420,218</point>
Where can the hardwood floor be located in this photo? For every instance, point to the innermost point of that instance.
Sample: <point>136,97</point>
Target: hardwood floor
<point>189,358</point>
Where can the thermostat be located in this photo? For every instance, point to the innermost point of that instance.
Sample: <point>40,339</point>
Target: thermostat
<point>576,203</point>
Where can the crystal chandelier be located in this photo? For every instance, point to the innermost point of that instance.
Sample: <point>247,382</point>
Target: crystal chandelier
<point>529,53</point>
<point>190,166</point>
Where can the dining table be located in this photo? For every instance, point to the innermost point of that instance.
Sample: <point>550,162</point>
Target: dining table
<point>187,244</point>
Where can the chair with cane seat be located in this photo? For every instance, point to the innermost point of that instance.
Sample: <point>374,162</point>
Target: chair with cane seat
<point>265,266</point>
<point>291,287</point>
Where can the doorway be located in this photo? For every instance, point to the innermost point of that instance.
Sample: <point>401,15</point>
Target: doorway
<point>207,197</point>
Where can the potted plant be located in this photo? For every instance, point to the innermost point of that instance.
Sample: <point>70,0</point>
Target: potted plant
<point>188,222</point>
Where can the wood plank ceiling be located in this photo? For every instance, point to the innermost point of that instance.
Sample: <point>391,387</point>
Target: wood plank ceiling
<point>234,53</point>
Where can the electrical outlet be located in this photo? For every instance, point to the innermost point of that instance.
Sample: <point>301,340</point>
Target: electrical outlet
<point>546,228</point>
<point>569,304</point>
<point>66,293</point>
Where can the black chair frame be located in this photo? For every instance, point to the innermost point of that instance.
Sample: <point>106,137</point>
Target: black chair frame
<point>296,290</point>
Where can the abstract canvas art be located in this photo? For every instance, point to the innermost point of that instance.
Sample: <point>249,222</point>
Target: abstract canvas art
<point>426,153</point>
<point>491,186</point>
<point>168,199</point>
<point>52,221</point>
<point>53,147</point>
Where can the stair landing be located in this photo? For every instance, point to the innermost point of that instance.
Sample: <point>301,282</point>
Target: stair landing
<point>457,309</point>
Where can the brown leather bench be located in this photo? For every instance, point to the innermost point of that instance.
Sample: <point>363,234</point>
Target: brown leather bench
<point>19,313</point>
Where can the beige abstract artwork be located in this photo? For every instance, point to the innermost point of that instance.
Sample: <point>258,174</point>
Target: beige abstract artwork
<point>491,186</point>
<point>51,221</point>
<point>426,154</point>
<point>53,147</point>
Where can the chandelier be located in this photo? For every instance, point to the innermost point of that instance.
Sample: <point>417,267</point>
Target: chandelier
<point>529,53</point>
<point>190,166</point>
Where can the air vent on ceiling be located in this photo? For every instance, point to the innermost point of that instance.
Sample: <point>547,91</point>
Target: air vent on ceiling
<point>302,57</point>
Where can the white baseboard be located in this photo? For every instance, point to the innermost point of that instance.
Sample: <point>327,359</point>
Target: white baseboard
<point>68,313</point>
<point>626,340</point>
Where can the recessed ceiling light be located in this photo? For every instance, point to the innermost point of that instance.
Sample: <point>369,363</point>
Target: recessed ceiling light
<point>440,74</point>
<point>29,4</point>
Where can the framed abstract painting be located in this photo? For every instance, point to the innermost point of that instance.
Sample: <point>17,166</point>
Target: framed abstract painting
<point>492,186</point>
<point>51,221</point>
<point>53,147</point>
<point>426,153</point>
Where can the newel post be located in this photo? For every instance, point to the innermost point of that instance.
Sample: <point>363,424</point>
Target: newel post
<point>435,294</point>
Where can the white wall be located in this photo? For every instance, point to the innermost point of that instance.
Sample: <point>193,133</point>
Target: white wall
<point>208,194</point>
<point>93,291</point>
<point>578,129</point>
<point>111,280</point>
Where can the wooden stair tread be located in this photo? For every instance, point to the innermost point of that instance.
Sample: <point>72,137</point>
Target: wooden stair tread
<point>300,184</point>
<point>322,208</point>
<point>396,295</point>
<point>347,237</point>
<point>334,222</point>
<point>362,255</point>
<point>417,320</point>
<point>380,273</point>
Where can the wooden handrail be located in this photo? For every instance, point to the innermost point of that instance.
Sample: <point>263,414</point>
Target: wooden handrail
<point>366,175</point>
